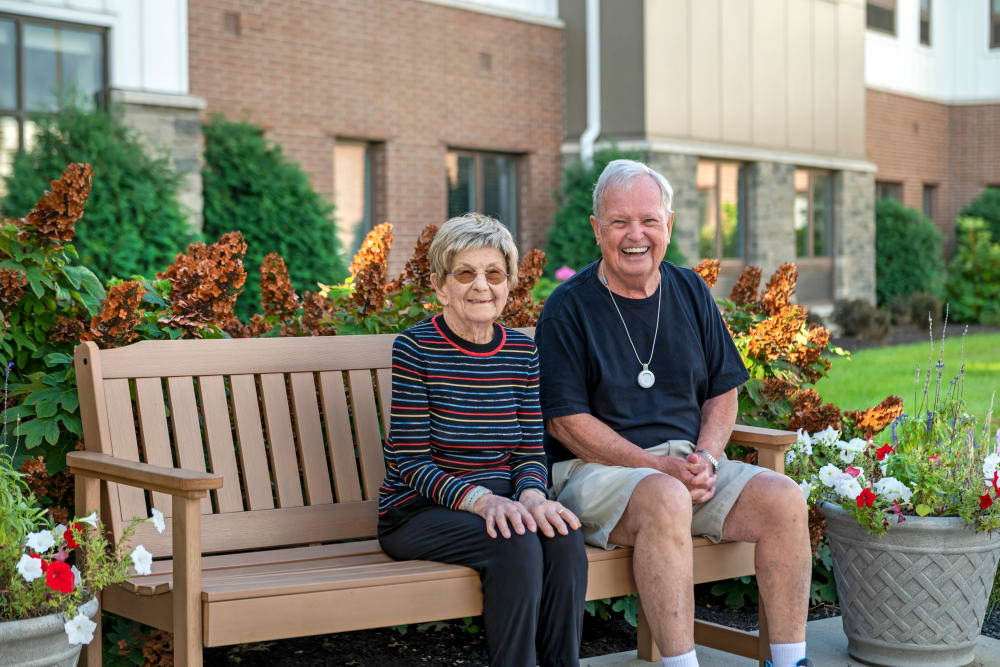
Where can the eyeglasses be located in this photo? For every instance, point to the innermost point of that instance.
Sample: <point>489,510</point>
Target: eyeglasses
<point>493,276</point>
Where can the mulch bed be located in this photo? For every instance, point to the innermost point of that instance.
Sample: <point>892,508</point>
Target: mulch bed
<point>901,335</point>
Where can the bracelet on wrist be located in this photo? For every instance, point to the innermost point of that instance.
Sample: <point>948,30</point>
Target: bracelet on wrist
<point>711,459</point>
<point>472,497</point>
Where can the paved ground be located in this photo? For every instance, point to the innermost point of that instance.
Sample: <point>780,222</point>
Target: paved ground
<point>827,648</point>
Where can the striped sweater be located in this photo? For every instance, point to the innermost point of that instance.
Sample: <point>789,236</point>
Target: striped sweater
<point>462,414</point>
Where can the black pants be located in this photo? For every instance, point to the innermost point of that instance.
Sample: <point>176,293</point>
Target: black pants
<point>533,586</point>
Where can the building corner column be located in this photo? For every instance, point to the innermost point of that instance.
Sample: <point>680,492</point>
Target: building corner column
<point>854,235</point>
<point>770,194</point>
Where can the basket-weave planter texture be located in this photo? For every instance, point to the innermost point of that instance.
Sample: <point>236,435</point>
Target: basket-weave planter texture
<point>917,596</point>
<point>38,642</point>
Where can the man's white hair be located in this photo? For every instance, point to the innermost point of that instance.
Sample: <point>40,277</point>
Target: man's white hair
<point>622,174</point>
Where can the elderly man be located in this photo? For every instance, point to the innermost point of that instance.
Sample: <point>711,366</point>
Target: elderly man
<point>638,391</point>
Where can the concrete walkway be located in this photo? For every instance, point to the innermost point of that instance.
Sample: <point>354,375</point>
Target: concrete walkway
<point>827,648</point>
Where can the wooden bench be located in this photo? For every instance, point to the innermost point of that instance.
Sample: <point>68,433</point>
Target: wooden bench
<point>266,456</point>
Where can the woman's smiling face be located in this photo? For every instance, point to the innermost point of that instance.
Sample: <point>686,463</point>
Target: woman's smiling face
<point>473,307</point>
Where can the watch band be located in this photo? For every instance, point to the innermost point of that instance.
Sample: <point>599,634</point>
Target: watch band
<point>472,496</point>
<point>711,459</point>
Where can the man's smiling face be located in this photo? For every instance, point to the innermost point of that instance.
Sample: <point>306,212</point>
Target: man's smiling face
<point>633,232</point>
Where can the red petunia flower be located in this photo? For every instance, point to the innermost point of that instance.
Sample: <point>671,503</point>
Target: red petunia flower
<point>899,511</point>
<point>996,487</point>
<point>60,577</point>
<point>936,459</point>
<point>866,498</point>
<point>68,536</point>
<point>852,471</point>
<point>985,501</point>
<point>884,451</point>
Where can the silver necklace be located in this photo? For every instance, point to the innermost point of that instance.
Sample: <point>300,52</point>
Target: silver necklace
<point>645,377</point>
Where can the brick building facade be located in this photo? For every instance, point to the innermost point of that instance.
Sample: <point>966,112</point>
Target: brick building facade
<point>413,81</point>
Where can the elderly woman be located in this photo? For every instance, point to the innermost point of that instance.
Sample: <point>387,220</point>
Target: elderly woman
<point>466,476</point>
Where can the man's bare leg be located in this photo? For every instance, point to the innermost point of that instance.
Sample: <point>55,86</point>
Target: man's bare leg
<point>772,513</point>
<point>657,523</point>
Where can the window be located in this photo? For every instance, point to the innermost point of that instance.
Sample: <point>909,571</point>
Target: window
<point>886,190</point>
<point>41,61</point>
<point>813,218</point>
<point>352,193</point>
<point>484,182</point>
<point>925,22</point>
<point>881,16</point>
<point>721,210</point>
<point>995,24</point>
<point>930,200</point>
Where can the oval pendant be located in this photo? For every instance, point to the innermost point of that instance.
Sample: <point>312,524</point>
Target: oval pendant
<point>646,379</point>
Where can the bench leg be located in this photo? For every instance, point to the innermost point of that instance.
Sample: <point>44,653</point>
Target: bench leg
<point>187,582</point>
<point>763,641</point>
<point>87,498</point>
<point>647,649</point>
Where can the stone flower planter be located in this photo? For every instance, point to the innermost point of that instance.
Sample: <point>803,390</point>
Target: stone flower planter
<point>915,597</point>
<point>40,641</point>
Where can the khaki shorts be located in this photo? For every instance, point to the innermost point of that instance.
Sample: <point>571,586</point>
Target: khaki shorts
<point>598,494</point>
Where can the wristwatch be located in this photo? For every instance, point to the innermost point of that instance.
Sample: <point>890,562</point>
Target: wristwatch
<point>711,459</point>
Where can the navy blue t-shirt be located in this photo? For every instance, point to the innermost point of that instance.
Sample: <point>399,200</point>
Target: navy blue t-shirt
<point>587,364</point>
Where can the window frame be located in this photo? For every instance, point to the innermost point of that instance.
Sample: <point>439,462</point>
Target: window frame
<point>879,185</point>
<point>20,110</point>
<point>742,211</point>
<point>932,190</point>
<point>479,179</point>
<point>993,24</point>
<point>920,22</point>
<point>371,147</point>
<point>811,255</point>
<point>895,21</point>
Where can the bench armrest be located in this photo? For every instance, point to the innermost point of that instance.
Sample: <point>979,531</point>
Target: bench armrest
<point>172,481</point>
<point>762,438</point>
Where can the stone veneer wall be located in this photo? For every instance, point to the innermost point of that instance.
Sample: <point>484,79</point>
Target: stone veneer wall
<point>171,127</point>
<point>854,235</point>
<point>770,191</point>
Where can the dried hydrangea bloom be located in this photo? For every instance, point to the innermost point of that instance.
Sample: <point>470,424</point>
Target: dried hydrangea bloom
<point>206,281</point>
<point>874,420</point>
<point>774,337</point>
<point>777,389</point>
<point>369,270</point>
<point>708,269</point>
<point>779,290</point>
<point>12,284</point>
<point>521,309</point>
<point>115,324</point>
<point>66,330</point>
<point>317,316</point>
<point>806,355</point>
<point>810,413</point>
<point>417,271</point>
<point>53,220</point>
<point>277,296</point>
<point>744,292</point>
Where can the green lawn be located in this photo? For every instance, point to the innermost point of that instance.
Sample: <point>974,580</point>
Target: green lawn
<point>870,375</point>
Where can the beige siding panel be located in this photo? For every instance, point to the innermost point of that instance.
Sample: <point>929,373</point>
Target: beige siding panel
<point>668,68</point>
<point>851,80</point>
<point>825,77</point>
<point>769,39</point>
<point>798,71</point>
<point>705,70</point>
<point>736,58</point>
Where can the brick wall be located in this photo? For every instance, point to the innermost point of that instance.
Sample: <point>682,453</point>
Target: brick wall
<point>917,142</point>
<point>408,74</point>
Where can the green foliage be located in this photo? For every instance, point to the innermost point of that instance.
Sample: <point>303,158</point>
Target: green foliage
<point>19,513</point>
<point>974,274</point>
<point>987,207</point>
<point>122,647</point>
<point>571,238</point>
<point>738,592</point>
<point>823,588</point>
<point>250,186</point>
<point>133,222</point>
<point>907,252</point>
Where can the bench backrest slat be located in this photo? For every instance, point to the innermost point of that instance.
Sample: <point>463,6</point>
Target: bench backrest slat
<point>187,428</point>
<point>383,379</point>
<point>367,429</point>
<point>124,445</point>
<point>250,438</point>
<point>343,463</point>
<point>309,434</point>
<point>218,431</point>
<point>278,423</point>
<point>153,429</point>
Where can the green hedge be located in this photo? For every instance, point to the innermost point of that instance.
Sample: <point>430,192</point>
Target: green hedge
<point>133,223</point>
<point>250,186</point>
<point>987,207</point>
<point>974,273</point>
<point>907,253</point>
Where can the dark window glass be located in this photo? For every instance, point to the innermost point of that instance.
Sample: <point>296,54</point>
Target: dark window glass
<point>885,190</point>
<point>8,65</point>
<point>813,213</point>
<point>461,184</point>
<point>995,24</point>
<point>930,197</point>
<point>925,22</point>
<point>499,189</point>
<point>881,15</point>
<point>484,182</point>
<point>60,60</point>
<point>721,210</point>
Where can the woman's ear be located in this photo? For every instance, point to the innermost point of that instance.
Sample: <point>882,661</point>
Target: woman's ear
<point>442,297</point>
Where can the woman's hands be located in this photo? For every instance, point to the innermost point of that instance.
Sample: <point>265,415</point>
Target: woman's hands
<point>498,510</point>
<point>550,516</point>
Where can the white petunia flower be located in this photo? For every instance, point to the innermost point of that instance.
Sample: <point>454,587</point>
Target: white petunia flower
<point>849,487</point>
<point>803,443</point>
<point>990,465</point>
<point>30,568</point>
<point>77,577</point>
<point>829,474</point>
<point>141,560</point>
<point>856,445</point>
<point>827,436</point>
<point>80,630</point>
<point>847,456</point>
<point>806,489</point>
<point>90,520</point>
<point>41,541</point>
<point>60,532</point>
<point>157,520</point>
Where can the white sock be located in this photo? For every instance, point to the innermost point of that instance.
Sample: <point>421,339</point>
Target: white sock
<point>786,655</point>
<point>688,659</point>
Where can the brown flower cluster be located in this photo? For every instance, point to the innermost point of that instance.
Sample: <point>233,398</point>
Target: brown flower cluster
<point>779,290</point>
<point>810,413</point>
<point>874,420</point>
<point>53,220</point>
<point>115,324</point>
<point>66,330</point>
<point>521,309</point>
<point>772,338</point>
<point>317,317</point>
<point>12,284</point>
<point>708,269</point>
<point>58,488</point>
<point>817,528</point>
<point>744,292</point>
<point>369,270</point>
<point>206,282</point>
<point>417,271</point>
<point>777,389</point>
<point>277,296</point>
<point>158,648</point>
<point>806,356</point>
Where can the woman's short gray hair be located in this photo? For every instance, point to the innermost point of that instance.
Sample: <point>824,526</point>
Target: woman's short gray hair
<point>468,232</point>
<point>623,173</point>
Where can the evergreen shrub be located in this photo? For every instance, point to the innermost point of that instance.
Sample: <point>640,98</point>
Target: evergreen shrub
<point>250,186</point>
<point>907,253</point>
<point>987,207</point>
<point>974,274</point>
<point>571,238</point>
<point>133,223</point>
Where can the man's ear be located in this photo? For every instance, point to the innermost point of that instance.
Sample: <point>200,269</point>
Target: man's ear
<point>438,291</point>
<point>597,230</point>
